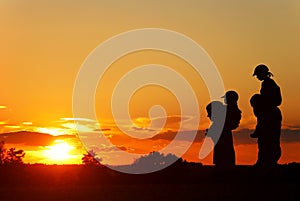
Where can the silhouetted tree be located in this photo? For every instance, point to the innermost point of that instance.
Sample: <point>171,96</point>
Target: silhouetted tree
<point>155,160</point>
<point>10,156</point>
<point>90,158</point>
<point>2,152</point>
<point>14,156</point>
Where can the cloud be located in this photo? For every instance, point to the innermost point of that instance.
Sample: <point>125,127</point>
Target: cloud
<point>142,129</point>
<point>288,126</point>
<point>79,119</point>
<point>85,125</point>
<point>52,130</point>
<point>27,123</point>
<point>241,137</point>
<point>290,135</point>
<point>32,138</point>
<point>171,122</point>
<point>79,124</point>
<point>106,149</point>
<point>287,136</point>
<point>145,128</point>
<point>184,136</point>
<point>137,128</point>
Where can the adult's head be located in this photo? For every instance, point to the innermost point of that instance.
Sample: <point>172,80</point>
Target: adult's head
<point>262,72</point>
<point>231,97</point>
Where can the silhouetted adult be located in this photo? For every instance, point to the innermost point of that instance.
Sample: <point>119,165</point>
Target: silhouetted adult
<point>269,150</point>
<point>224,153</point>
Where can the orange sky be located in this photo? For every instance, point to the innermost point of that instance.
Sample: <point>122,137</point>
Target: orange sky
<point>43,45</point>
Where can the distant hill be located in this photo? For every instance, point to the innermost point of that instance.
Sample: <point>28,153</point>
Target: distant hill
<point>31,138</point>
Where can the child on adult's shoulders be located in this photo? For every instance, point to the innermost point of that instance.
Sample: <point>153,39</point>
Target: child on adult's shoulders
<point>256,103</point>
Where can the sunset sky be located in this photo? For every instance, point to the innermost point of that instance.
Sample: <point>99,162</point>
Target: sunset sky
<point>44,43</point>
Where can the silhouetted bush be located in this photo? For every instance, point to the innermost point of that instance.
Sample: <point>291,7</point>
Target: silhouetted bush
<point>10,156</point>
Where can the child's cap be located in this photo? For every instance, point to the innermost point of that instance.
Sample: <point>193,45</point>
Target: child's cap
<point>231,95</point>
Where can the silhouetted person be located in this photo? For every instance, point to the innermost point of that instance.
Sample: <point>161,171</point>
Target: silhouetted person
<point>269,140</point>
<point>260,129</point>
<point>256,103</point>
<point>224,154</point>
<point>234,114</point>
<point>269,91</point>
<point>216,118</point>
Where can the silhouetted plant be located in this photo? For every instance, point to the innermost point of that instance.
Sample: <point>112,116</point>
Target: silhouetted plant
<point>155,159</point>
<point>10,156</point>
<point>90,158</point>
<point>14,156</point>
<point>2,152</point>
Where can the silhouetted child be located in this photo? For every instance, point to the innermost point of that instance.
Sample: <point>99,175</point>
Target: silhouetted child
<point>216,118</point>
<point>233,113</point>
<point>256,103</point>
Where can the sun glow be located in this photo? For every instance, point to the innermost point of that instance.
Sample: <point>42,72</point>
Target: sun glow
<point>59,152</point>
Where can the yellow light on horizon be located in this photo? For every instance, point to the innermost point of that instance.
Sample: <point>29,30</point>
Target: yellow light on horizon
<point>59,152</point>
<point>27,123</point>
<point>52,131</point>
<point>12,127</point>
<point>142,121</point>
<point>74,128</point>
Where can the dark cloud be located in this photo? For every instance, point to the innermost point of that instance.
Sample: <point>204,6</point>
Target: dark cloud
<point>290,136</point>
<point>142,129</point>
<point>171,121</point>
<point>183,136</point>
<point>108,149</point>
<point>32,138</point>
<point>287,136</point>
<point>241,137</point>
<point>102,129</point>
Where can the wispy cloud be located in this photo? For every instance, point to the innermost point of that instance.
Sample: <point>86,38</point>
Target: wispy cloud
<point>289,126</point>
<point>78,119</point>
<point>27,123</point>
<point>80,124</point>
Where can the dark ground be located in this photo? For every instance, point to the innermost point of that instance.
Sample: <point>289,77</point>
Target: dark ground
<point>185,181</point>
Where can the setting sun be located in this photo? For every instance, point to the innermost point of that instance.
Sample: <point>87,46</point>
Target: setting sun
<point>59,152</point>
